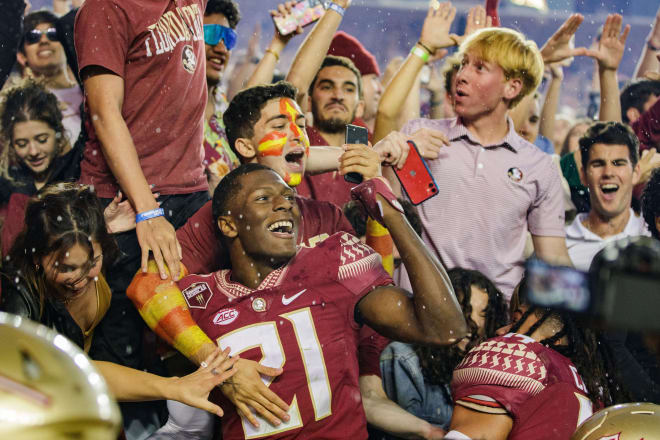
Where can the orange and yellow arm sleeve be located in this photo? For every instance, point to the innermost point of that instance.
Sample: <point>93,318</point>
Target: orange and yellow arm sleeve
<point>161,305</point>
<point>380,240</point>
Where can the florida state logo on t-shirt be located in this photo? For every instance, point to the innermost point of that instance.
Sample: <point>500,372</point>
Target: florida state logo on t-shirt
<point>188,58</point>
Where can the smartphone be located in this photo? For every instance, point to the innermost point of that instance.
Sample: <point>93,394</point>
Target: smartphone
<point>415,177</point>
<point>356,134</point>
<point>302,14</point>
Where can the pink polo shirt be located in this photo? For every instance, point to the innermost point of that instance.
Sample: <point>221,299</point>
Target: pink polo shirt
<point>489,196</point>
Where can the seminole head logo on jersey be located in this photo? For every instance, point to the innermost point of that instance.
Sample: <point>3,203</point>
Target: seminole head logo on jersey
<point>189,59</point>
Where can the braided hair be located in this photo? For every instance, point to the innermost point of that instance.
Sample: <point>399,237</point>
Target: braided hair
<point>438,363</point>
<point>591,358</point>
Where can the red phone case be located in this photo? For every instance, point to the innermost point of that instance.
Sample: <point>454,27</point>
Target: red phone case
<point>415,177</point>
<point>302,14</point>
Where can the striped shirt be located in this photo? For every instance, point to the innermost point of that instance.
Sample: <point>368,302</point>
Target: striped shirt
<point>489,196</point>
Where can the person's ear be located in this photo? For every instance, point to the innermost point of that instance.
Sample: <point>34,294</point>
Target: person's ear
<point>512,88</point>
<point>227,226</point>
<point>22,59</point>
<point>583,175</point>
<point>632,114</point>
<point>359,111</point>
<point>245,149</point>
<point>637,173</point>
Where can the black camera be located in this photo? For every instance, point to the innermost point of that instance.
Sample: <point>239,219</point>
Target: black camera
<point>621,289</point>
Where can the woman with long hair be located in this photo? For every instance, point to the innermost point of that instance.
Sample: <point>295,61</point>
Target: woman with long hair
<point>36,150</point>
<point>54,275</point>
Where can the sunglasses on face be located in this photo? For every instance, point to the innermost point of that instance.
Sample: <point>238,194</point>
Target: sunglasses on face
<point>34,36</point>
<point>213,33</point>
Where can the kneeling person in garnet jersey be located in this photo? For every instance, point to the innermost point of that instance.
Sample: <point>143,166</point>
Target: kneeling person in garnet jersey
<point>542,378</point>
<point>300,309</point>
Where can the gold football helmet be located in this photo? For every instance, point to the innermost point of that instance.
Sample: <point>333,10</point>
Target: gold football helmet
<point>629,421</point>
<point>49,388</point>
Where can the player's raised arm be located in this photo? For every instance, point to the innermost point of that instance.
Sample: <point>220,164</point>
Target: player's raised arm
<point>432,314</point>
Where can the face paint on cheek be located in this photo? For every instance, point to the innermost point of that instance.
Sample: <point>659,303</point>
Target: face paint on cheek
<point>293,179</point>
<point>289,109</point>
<point>272,144</point>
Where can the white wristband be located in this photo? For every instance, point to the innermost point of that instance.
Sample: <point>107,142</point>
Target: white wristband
<point>338,9</point>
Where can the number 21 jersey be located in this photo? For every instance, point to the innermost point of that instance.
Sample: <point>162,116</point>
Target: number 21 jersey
<point>301,318</point>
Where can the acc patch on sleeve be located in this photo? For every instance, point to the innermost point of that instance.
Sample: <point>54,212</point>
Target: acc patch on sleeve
<point>197,295</point>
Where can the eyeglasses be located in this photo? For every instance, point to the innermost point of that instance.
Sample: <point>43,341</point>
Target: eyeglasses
<point>34,36</point>
<point>213,33</point>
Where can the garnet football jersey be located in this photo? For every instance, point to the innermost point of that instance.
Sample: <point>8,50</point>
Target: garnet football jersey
<point>536,386</point>
<point>300,318</point>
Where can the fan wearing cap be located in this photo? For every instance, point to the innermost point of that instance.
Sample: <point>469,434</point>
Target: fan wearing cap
<point>345,45</point>
<point>220,19</point>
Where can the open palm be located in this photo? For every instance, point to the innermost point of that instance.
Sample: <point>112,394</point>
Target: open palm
<point>612,43</point>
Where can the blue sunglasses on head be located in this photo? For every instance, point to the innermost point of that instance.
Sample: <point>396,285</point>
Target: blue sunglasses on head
<point>213,33</point>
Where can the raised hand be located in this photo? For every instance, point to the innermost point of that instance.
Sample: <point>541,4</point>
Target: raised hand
<point>435,32</point>
<point>284,9</point>
<point>476,20</point>
<point>559,46</point>
<point>612,43</point>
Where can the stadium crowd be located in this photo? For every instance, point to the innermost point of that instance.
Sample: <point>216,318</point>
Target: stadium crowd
<point>237,265</point>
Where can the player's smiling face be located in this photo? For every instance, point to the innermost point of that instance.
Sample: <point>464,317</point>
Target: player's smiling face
<point>267,217</point>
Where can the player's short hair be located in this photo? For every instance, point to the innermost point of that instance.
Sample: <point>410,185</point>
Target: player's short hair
<point>34,19</point>
<point>244,111</point>
<point>651,203</point>
<point>228,8</point>
<point>635,94</point>
<point>332,60</point>
<point>229,187</point>
<point>517,56</point>
<point>609,133</point>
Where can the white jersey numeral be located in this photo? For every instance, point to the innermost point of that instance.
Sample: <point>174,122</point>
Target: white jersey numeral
<point>266,337</point>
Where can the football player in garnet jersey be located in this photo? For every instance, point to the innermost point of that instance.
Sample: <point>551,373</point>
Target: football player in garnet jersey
<point>300,308</point>
<point>540,379</point>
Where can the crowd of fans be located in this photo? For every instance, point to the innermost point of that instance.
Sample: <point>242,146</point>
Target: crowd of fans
<point>185,219</point>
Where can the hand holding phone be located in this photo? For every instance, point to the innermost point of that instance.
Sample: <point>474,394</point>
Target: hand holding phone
<point>302,14</point>
<point>356,134</point>
<point>415,177</point>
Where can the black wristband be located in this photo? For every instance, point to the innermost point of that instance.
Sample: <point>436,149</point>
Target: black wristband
<point>425,47</point>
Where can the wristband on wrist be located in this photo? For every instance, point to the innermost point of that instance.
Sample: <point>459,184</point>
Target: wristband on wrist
<point>425,47</point>
<point>158,212</point>
<point>651,46</point>
<point>275,54</point>
<point>338,9</point>
<point>418,51</point>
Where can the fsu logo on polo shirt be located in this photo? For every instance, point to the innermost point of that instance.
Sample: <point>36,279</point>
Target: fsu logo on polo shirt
<point>189,59</point>
<point>515,174</point>
<point>197,295</point>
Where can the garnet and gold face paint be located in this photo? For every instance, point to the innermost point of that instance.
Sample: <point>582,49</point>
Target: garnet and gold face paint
<point>293,179</point>
<point>272,144</point>
<point>288,108</point>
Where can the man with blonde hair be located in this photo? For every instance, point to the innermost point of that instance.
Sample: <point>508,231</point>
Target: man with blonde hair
<point>493,185</point>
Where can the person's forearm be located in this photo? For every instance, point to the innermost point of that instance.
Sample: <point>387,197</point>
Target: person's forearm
<point>121,156</point>
<point>550,110</point>
<point>163,308</point>
<point>263,74</point>
<point>648,62</point>
<point>436,307</point>
<point>323,159</point>
<point>410,108</point>
<point>437,100</point>
<point>396,92</point>
<point>610,104</point>
<point>310,56</point>
<point>130,385</point>
<point>386,415</point>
